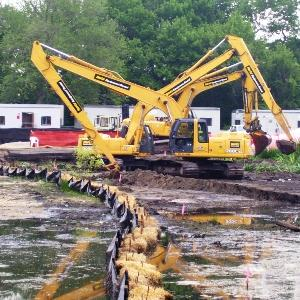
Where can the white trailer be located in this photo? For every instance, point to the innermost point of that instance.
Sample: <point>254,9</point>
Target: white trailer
<point>104,117</point>
<point>31,116</point>
<point>109,117</point>
<point>267,120</point>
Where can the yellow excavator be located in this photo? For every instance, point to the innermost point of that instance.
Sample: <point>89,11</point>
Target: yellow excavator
<point>193,152</point>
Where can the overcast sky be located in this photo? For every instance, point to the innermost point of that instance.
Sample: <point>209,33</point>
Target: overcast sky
<point>11,2</point>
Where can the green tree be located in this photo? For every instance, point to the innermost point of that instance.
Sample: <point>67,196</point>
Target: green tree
<point>150,42</point>
<point>282,72</point>
<point>273,19</point>
<point>78,27</point>
<point>165,37</point>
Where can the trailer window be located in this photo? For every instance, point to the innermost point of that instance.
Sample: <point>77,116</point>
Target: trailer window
<point>45,120</point>
<point>103,122</point>
<point>97,121</point>
<point>208,121</point>
<point>2,120</point>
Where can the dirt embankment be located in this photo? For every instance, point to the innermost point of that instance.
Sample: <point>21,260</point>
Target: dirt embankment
<point>280,187</point>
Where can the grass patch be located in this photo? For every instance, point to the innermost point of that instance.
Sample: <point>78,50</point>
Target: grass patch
<point>274,161</point>
<point>64,187</point>
<point>87,159</point>
<point>269,154</point>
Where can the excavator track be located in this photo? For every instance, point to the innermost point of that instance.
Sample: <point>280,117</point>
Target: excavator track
<point>185,168</point>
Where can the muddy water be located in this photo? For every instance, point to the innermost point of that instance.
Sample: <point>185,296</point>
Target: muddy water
<point>60,253</point>
<point>230,250</point>
<point>220,261</point>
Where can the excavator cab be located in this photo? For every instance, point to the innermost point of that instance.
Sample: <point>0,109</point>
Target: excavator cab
<point>147,142</point>
<point>184,133</point>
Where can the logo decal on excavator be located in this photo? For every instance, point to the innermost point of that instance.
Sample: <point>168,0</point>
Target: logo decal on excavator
<point>69,95</point>
<point>235,145</point>
<point>256,81</point>
<point>178,86</point>
<point>216,82</point>
<point>112,82</point>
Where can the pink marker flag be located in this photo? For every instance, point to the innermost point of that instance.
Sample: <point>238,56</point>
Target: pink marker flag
<point>120,178</point>
<point>248,273</point>
<point>183,209</point>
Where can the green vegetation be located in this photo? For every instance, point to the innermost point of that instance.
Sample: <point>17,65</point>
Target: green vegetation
<point>49,187</point>
<point>274,161</point>
<point>64,187</point>
<point>149,42</point>
<point>86,159</point>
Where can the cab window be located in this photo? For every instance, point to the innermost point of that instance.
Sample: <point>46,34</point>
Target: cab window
<point>185,130</point>
<point>202,133</point>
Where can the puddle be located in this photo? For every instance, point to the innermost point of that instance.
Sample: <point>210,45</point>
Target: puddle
<point>226,219</point>
<point>221,241</point>
<point>32,259</point>
<point>57,255</point>
<point>213,261</point>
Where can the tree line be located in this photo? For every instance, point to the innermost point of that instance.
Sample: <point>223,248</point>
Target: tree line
<point>148,42</point>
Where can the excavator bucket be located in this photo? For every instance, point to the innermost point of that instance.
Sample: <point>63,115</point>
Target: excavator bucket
<point>261,141</point>
<point>286,147</point>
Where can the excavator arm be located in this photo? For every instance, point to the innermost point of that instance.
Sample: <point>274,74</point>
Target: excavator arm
<point>189,93</point>
<point>40,60</point>
<point>186,98</point>
<point>252,71</point>
<point>109,79</point>
<point>146,97</point>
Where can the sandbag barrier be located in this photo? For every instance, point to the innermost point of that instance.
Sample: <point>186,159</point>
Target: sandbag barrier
<point>125,256</point>
<point>35,174</point>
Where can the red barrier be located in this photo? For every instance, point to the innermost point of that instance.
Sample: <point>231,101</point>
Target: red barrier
<point>59,137</point>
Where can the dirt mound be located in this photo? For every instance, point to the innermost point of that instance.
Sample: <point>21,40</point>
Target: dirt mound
<point>264,188</point>
<point>153,179</point>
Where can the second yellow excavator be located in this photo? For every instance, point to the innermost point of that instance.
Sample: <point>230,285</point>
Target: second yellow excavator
<point>253,85</point>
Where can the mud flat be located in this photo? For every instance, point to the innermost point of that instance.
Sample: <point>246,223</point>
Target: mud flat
<point>232,261</point>
<point>278,187</point>
<point>19,201</point>
<point>163,201</point>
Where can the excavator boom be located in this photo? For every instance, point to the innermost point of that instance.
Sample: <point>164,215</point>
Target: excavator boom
<point>253,72</point>
<point>40,60</point>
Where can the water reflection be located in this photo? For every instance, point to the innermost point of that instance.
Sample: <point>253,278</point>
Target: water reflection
<point>223,219</point>
<point>51,258</point>
<point>256,261</point>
